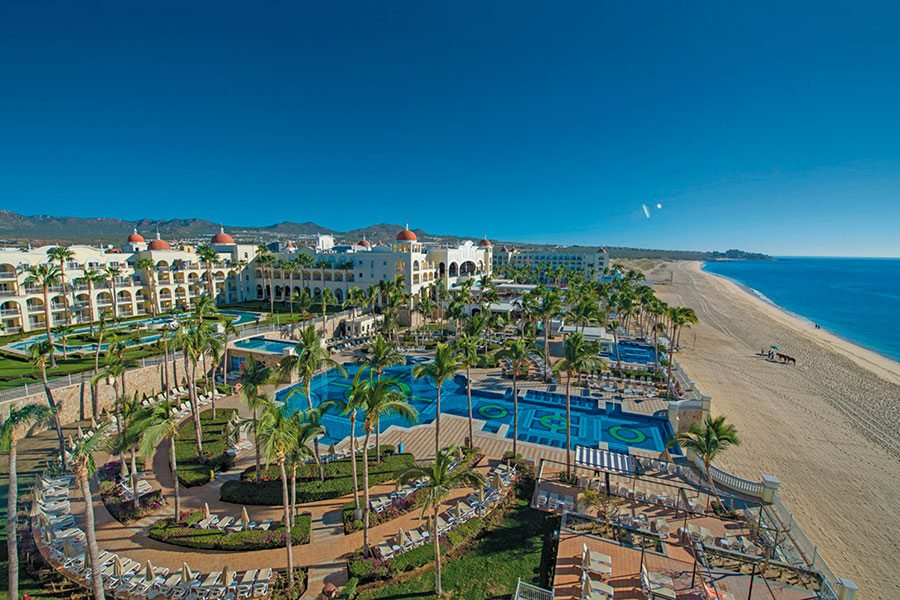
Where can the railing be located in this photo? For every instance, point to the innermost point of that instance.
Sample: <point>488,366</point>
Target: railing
<point>753,488</point>
<point>526,591</point>
<point>9,312</point>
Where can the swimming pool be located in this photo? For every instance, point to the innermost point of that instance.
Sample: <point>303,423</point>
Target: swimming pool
<point>261,344</point>
<point>631,352</point>
<point>541,414</point>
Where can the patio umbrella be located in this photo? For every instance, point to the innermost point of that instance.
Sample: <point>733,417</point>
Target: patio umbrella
<point>481,495</point>
<point>186,574</point>
<point>498,483</point>
<point>149,575</point>
<point>229,576</point>
<point>400,538</point>
<point>206,513</point>
<point>118,567</point>
<point>80,432</point>
<point>93,423</point>
<point>245,518</point>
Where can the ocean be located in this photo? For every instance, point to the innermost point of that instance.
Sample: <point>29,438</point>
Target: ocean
<point>855,298</point>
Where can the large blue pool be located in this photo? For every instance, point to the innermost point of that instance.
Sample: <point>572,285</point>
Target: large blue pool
<point>541,414</point>
<point>632,352</point>
<point>261,344</point>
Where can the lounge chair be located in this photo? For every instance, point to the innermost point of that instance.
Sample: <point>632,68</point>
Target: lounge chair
<point>595,590</point>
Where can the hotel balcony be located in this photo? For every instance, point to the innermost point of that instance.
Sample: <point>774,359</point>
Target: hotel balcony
<point>9,312</point>
<point>8,293</point>
<point>7,276</point>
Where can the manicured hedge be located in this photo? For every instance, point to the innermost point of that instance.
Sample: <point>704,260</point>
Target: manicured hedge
<point>338,480</point>
<point>191,470</point>
<point>182,534</point>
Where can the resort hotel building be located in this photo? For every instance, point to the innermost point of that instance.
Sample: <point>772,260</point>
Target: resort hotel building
<point>147,278</point>
<point>591,261</point>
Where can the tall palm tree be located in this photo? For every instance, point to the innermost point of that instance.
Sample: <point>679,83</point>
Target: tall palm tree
<point>193,343</point>
<point>46,276</point>
<point>380,355</point>
<point>208,256</point>
<point>91,277</point>
<point>265,260</point>
<point>228,329</point>
<point>147,265</point>
<point>328,297</point>
<point>467,347</point>
<point>307,433</point>
<point>356,297</point>
<point>549,306</point>
<point>349,404</point>
<point>255,375</point>
<point>84,467</point>
<point>62,255</point>
<point>113,273</point>
<point>101,331</point>
<point>380,397</point>
<point>444,366</point>
<point>278,436</point>
<point>708,440</point>
<point>152,425</point>
<point>40,353</point>
<point>17,422</point>
<point>441,478</point>
<point>579,356</point>
<point>517,352</point>
<point>679,317</point>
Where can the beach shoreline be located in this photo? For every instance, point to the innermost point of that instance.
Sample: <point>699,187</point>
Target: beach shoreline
<point>827,427</point>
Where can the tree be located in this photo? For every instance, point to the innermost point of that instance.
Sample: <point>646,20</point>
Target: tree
<point>84,466</point>
<point>101,330</point>
<point>17,422</point>
<point>517,352</point>
<point>62,255</point>
<point>64,331</point>
<point>40,353</point>
<point>278,436</point>
<point>355,298</point>
<point>467,349</point>
<point>265,260</point>
<point>307,431</point>
<point>579,356</point>
<point>349,404</point>
<point>149,268</point>
<point>327,298</point>
<point>208,256</point>
<point>380,397</point>
<point>46,276</point>
<point>92,277</point>
<point>441,478</point>
<point>380,355</point>
<point>152,425</point>
<point>255,375</point>
<point>548,307</point>
<point>444,366</point>
<point>679,317</point>
<point>113,274</point>
<point>708,440</point>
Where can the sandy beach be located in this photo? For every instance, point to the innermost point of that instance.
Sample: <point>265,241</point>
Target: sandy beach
<point>828,427</point>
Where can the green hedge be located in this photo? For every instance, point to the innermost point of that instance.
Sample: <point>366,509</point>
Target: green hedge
<point>338,480</point>
<point>182,534</point>
<point>191,470</point>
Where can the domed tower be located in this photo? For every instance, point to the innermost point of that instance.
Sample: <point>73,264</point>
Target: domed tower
<point>159,243</point>
<point>488,248</point>
<point>222,238</point>
<point>364,243</point>
<point>407,241</point>
<point>135,242</point>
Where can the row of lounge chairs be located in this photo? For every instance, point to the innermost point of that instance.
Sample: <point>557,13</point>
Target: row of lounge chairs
<point>554,502</point>
<point>657,585</point>
<point>65,542</point>
<point>233,524</point>
<point>595,567</point>
<point>384,502</point>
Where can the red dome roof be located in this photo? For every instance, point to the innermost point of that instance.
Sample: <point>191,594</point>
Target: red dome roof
<point>222,237</point>
<point>364,243</point>
<point>484,243</point>
<point>159,245</point>
<point>135,237</point>
<point>407,236</point>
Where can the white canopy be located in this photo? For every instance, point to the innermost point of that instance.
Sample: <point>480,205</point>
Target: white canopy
<point>595,458</point>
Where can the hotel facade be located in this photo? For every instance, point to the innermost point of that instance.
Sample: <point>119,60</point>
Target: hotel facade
<point>154,277</point>
<point>591,262</point>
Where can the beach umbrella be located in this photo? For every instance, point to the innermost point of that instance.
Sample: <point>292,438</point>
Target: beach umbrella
<point>93,423</point>
<point>775,347</point>
<point>498,483</point>
<point>186,574</point>
<point>481,494</point>
<point>118,567</point>
<point>80,432</point>
<point>245,518</point>
<point>149,575</point>
<point>400,538</point>
<point>206,513</point>
<point>229,576</point>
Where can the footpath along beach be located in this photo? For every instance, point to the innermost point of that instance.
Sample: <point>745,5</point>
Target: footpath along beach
<point>828,427</point>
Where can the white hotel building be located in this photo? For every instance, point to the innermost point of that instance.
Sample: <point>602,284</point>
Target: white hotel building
<point>591,261</point>
<point>179,277</point>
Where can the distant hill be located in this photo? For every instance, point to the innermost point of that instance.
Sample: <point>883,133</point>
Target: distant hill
<point>41,229</point>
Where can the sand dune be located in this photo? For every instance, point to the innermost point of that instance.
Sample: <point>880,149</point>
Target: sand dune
<point>829,427</point>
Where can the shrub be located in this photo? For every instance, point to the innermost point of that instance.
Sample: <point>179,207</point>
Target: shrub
<point>192,469</point>
<point>349,590</point>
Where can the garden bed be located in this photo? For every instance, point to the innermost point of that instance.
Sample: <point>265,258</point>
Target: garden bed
<point>123,509</point>
<point>338,480</point>
<point>183,534</point>
<point>192,471</point>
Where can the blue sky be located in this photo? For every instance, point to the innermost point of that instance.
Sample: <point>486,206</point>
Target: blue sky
<point>765,126</point>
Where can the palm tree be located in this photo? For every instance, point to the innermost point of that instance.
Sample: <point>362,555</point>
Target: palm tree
<point>228,329</point>
<point>380,398</point>
<point>679,317</point>
<point>45,275</point>
<point>307,433</point>
<point>380,355</point>
<point>279,436</point>
<point>17,422</point>
<point>355,298</point>
<point>152,425</point>
<point>113,273</point>
<point>441,478</point>
<point>265,260</point>
<point>304,302</point>
<point>708,440</point>
<point>349,404</point>
<point>467,347</point>
<point>85,466</point>
<point>517,352</point>
<point>444,366</point>
<point>40,353</point>
<point>64,331</point>
<point>192,341</point>
<point>579,356</point>
<point>327,298</point>
<point>149,268</point>
<point>62,255</point>
<point>91,277</point>
<point>101,329</point>
<point>549,306</point>
<point>255,375</point>
<point>208,256</point>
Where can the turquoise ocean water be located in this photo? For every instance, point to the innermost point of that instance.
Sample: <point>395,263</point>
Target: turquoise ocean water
<point>855,298</point>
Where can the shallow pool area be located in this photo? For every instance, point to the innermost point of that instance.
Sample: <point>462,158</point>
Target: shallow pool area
<point>632,352</point>
<point>542,415</point>
<point>261,344</point>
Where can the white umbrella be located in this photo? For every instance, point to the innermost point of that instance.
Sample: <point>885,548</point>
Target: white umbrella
<point>38,494</point>
<point>400,539</point>
<point>229,576</point>
<point>245,518</point>
<point>80,432</point>
<point>186,574</point>
<point>481,495</point>
<point>118,567</point>
<point>206,513</point>
<point>93,423</point>
<point>149,575</point>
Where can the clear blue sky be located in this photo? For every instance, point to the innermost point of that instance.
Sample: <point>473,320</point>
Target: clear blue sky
<point>765,126</point>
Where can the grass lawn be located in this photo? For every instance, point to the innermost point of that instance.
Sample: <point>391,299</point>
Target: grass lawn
<point>338,480</point>
<point>493,565</point>
<point>191,471</point>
